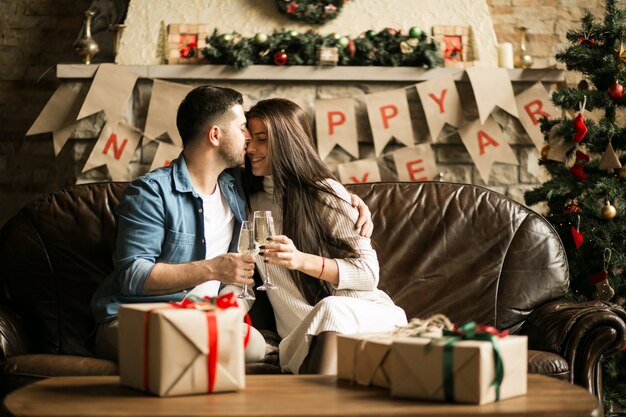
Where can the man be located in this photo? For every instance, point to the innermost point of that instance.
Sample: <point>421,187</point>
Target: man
<point>178,225</point>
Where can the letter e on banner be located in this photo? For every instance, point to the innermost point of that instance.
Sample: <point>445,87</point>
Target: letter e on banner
<point>416,163</point>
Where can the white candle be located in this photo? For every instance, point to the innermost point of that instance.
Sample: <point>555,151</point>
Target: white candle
<point>505,55</point>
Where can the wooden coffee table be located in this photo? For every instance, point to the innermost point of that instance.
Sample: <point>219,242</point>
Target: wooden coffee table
<point>282,395</point>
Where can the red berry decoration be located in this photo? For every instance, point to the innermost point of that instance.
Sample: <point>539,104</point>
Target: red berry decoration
<point>616,91</point>
<point>392,32</point>
<point>280,58</point>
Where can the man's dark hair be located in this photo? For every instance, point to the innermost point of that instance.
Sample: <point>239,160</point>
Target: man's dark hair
<point>202,107</point>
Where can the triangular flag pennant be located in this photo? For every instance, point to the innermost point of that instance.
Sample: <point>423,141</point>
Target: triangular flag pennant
<point>533,104</point>
<point>364,170</point>
<point>115,148</point>
<point>486,144</point>
<point>110,90</point>
<point>492,87</point>
<point>164,102</point>
<point>609,160</point>
<point>59,115</point>
<point>416,163</point>
<point>335,124</point>
<point>389,117</point>
<point>442,104</point>
<point>164,155</point>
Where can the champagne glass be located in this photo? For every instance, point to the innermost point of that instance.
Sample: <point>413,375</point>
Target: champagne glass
<point>246,245</point>
<point>263,229</point>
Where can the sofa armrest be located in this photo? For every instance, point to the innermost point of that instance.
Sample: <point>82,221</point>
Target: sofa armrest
<point>14,334</point>
<point>583,333</point>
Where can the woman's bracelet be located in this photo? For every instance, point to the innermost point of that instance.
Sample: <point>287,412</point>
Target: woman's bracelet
<point>323,265</point>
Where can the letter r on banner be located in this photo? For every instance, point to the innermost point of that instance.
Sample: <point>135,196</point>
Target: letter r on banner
<point>388,112</point>
<point>117,151</point>
<point>538,110</point>
<point>335,118</point>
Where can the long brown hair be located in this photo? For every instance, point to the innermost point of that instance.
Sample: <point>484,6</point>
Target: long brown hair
<point>299,177</point>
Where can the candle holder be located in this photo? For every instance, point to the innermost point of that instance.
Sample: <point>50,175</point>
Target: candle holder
<point>524,60</point>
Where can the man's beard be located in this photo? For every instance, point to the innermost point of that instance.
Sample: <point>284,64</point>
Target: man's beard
<point>232,157</point>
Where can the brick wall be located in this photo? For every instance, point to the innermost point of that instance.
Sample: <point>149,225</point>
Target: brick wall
<point>35,35</point>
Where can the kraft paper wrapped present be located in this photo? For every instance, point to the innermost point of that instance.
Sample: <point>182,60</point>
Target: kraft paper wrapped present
<point>362,358</point>
<point>182,348</point>
<point>454,369</point>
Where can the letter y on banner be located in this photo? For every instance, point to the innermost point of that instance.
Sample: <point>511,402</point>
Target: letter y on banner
<point>389,116</point>
<point>364,170</point>
<point>115,148</point>
<point>486,144</point>
<point>335,124</point>
<point>442,104</point>
<point>533,104</point>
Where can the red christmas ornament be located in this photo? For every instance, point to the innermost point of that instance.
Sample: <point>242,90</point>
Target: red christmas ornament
<point>292,8</point>
<point>580,128</point>
<point>616,91</point>
<point>577,237</point>
<point>577,170</point>
<point>572,208</point>
<point>280,58</point>
<point>392,32</point>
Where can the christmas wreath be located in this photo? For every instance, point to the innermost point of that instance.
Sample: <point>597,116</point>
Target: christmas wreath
<point>311,11</point>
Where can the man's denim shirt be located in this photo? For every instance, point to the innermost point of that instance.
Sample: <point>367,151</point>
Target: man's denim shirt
<point>160,219</point>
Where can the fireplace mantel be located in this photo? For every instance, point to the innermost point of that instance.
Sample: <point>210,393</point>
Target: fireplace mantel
<point>304,73</point>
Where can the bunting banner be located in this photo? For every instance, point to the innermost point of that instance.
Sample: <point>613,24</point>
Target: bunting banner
<point>110,90</point>
<point>114,148</point>
<point>335,124</point>
<point>164,102</point>
<point>486,144</point>
<point>389,117</point>
<point>442,104</point>
<point>59,116</point>
<point>492,87</point>
<point>165,154</point>
<point>533,104</point>
<point>365,170</point>
<point>558,146</point>
<point>416,163</point>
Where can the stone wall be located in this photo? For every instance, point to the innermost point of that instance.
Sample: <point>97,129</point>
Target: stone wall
<point>38,34</point>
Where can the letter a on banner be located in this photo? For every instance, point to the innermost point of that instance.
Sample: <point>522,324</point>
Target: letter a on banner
<point>164,102</point>
<point>533,104</point>
<point>335,124</point>
<point>164,155</point>
<point>364,170</point>
<point>115,148</point>
<point>442,104</point>
<point>486,144</point>
<point>389,116</point>
<point>416,163</point>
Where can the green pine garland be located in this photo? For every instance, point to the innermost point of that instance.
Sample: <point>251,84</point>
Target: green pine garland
<point>311,11</point>
<point>593,51</point>
<point>388,47</point>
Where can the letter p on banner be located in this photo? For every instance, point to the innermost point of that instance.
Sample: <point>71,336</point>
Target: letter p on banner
<point>335,124</point>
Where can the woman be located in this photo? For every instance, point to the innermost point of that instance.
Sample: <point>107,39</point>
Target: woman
<point>326,274</point>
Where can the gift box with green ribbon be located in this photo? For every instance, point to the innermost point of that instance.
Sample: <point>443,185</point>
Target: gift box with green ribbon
<point>470,364</point>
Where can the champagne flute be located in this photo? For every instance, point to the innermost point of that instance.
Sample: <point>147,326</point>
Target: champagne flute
<point>263,229</point>
<point>246,245</point>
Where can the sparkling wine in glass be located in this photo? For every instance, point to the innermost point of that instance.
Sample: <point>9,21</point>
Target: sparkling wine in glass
<point>263,229</point>
<point>246,245</point>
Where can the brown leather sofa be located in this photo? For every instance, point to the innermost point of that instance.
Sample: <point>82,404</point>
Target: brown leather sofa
<point>456,249</point>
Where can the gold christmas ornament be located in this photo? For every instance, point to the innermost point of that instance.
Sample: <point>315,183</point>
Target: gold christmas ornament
<point>608,211</point>
<point>545,151</point>
<point>621,55</point>
<point>622,173</point>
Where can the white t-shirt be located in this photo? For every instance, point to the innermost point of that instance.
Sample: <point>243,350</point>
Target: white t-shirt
<point>219,222</point>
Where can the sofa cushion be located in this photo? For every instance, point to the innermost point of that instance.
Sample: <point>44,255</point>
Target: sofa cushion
<point>49,365</point>
<point>547,363</point>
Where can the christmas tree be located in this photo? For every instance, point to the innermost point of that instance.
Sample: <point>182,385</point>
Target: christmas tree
<point>586,193</point>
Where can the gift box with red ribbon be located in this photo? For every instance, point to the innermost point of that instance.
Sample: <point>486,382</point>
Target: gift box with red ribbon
<point>470,364</point>
<point>182,348</point>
